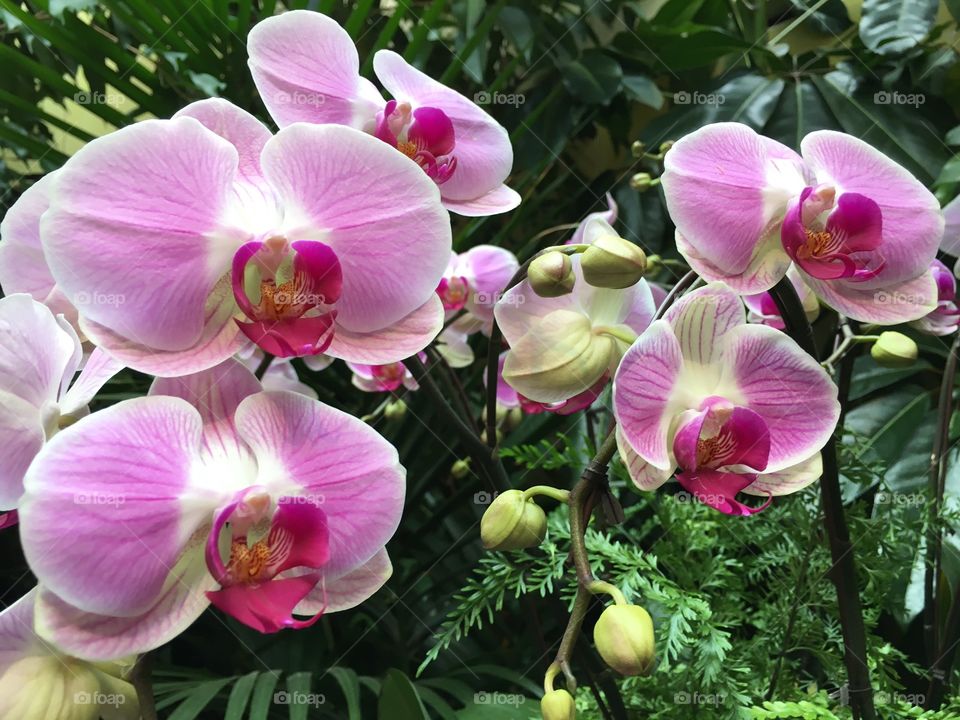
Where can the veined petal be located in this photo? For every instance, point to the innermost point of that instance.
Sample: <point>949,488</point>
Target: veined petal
<point>383,218</point>
<point>238,127</point>
<point>112,502</point>
<point>307,70</point>
<point>765,268</point>
<point>644,475</point>
<point>789,480</point>
<point>148,201</point>
<point>767,372</point>
<point>305,448</point>
<point>499,200</point>
<point>488,269</point>
<point>700,320</point>
<point>642,393</point>
<point>21,436</point>
<point>884,305</point>
<point>400,340</point>
<point>348,590</point>
<point>23,268</point>
<point>97,371</point>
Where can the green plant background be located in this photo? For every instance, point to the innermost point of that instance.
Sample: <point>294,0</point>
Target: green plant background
<point>745,612</point>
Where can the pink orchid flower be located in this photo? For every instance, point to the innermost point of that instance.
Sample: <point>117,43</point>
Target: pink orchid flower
<point>39,355</point>
<point>563,347</point>
<point>734,407</point>
<point>860,229</point>
<point>307,70</point>
<point>946,318</point>
<point>609,216</point>
<point>383,378</point>
<point>475,279</point>
<point>270,505</point>
<point>762,308</point>
<point>23,267</point>
<point>38,682</point>
<point>208,231</point>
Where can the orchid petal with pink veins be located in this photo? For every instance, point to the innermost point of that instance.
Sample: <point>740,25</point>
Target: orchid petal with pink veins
<point>702,318</point>
<point>397,341</point>
<point>789,480</point>
<point>889,305</point>
<point>350,589</point>
<point>946,318</point>
<point>306,69</point>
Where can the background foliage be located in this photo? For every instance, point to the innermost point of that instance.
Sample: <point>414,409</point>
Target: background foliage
<point>745,611</point>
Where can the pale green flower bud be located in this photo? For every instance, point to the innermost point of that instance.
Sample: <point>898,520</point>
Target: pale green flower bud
<point>460,469</point>
<point>612,262</point>
<point>551,274</point>
<point>641,181</point>
<point>395,410</point>
<point>624,638</point>
<point>558,705</point>
<point>512,523</point>
<point>894,350</point>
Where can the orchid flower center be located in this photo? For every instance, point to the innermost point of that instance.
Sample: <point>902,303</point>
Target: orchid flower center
<point>288,291</point>
<point>720,449</point>
<point>834,237</point>
<point>424,135</point>
<point>264,579</point>
<point>454,292</point>
<point>390,376</point>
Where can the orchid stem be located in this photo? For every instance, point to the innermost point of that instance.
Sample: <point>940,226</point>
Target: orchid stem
<point>263,366</point>
<point>140,678</point>
<point>844,570</point>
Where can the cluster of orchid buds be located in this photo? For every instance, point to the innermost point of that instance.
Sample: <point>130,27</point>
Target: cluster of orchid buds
<point>200,248</point>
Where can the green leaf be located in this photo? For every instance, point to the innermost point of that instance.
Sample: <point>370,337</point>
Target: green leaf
<point>523,708</point>
<point>800,111</point>
<point>594,78</point>
<point>950,172</point>
<point>399,700</point>
<point>58,7</point>
<point>643,90</point>
<point>890,27</point>
<point>199,698</point>
<point>299,695</point>
<point>239,697</point>
<point>350,686</point>
<point>263,698</point>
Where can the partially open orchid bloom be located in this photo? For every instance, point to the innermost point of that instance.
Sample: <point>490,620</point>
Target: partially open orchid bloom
<point>474,280</point>
<point>609,216</point>
<point>38,682</point>
<point>733,407</point>
<point>946,318</point>
<point>39,355</point>
<point>762,308</point>
<point>383,378</point>
<point>307,70</point>
<point>563,347</point>
<point>23,268</point>
<point>861,230</point>
<point>270,505</point>
<point>205,230</point>
<point>453,343</point>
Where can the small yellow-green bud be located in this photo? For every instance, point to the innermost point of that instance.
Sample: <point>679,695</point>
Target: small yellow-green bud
<point>460,469</point>
<point>512,419</point>
<point>624,638</point>
<point>638,149</point>
<point>894,350</point>
<point>551,274</point>
<point>666,145</point>
<point>512,523</point>
<point>558,705</point>
<point>641,181</point>
<point>395,410</point>
<point>612,262</point>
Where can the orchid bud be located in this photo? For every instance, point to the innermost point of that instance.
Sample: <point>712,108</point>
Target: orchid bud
<point>512,419</point>
<point>638,149</point>
<point>641,181</point>
<point>395,410</point>
<point>512,522</point>
<point>460,469</point>
<point>612,262</point>
<point>558,705</point>
<point>894,350</point>
<point>666,145</point>
<point>551,274</point>
<point>624,638</point>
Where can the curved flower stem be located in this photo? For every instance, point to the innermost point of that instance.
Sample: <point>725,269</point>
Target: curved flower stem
<point>491,465</point>
<point>143,684</point>
<point>844,570</point>
<point>551,492</point>
<point>939,646</point>
<point>452,382</point>
<point>264,365</point>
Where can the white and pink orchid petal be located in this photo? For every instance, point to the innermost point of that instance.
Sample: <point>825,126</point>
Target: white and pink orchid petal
<point>886,305</point>
<point>520,308</point>
<point>725,186</point>
<point>347,591</point>
<point>238,127</point>
<point>316,363</point>
<point>702,318</point>
<point>400,340</point>
<point>16,630</point>
<point>21,436</point>
<point>951,231</point>
<point>454,346</point>
<point>499,200</point>
<point>111,503</point>
<point>148,202</point>
<point>216,393</point>
<point>23,268</point>
<point>789,480</point>
<point>767,265</point>
<point>97,371</point>
<point>483,151</point>
<point>107,637</point>
<point>306,69</point>
<point>643,391</point>
<point>488,269</point>
<point>306,448</point>
<point>912,224</point>
<point>220,339</point>
<point>283,376</point>
<point>644,475</point>
<point>767,372</point>
<point>383,219</point>
<point>38,352</point>
<point>609,216</point>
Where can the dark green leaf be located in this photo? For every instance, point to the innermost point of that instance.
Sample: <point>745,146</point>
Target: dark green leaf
<point>894,26</point>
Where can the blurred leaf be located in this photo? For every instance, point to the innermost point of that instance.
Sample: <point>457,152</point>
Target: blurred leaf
<point>199,698</point>
<point>643,90</point>
<point>594,78</point>
<point>800,111</point>
<point>350,686</point>
<point>895,26</point>
<point>239,697</point>
<point>399,700</point>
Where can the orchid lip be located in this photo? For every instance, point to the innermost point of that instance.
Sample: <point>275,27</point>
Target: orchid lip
<point>425,135</point>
